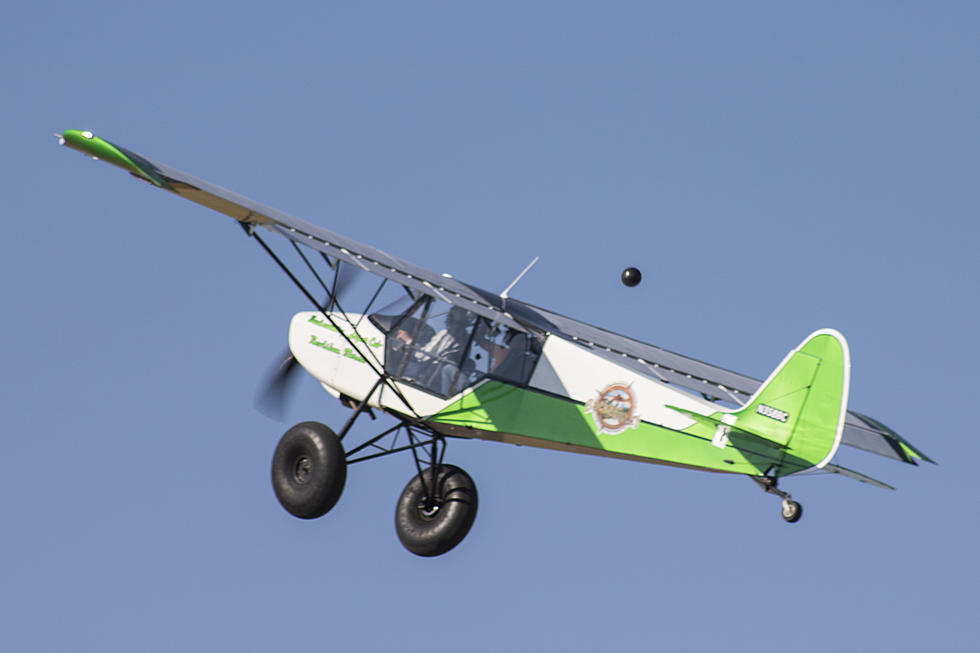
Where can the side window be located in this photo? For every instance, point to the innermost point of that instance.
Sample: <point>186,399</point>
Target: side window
<point>503,353</point>
<point>444,348</point>
<point>403,335</point>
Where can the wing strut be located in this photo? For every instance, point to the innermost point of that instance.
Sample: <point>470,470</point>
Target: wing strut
<point>382,375</point>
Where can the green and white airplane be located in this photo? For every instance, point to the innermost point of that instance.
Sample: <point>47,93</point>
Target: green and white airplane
<point>450,360</point>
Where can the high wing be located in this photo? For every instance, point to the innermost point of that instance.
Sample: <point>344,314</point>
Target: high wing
<point>713,382</point>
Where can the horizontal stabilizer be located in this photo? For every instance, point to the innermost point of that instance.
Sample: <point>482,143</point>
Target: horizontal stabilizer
<point>724,429</point>
<point>857,476</point>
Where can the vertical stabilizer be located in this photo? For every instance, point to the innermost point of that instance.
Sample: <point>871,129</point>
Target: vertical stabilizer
<point>802,405</point>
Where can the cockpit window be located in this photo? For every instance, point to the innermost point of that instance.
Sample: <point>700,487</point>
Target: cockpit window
<point>444,348</point>
<point>385,318</point>
<point>503,353</point>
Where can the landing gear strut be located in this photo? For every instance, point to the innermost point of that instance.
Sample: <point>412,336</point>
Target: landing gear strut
<point>791,511</point>
<point>436,509</point>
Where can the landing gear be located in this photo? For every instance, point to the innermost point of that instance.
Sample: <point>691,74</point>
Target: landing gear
<point>309,470</point>
<point>791,510</point>
<point>436,510</point>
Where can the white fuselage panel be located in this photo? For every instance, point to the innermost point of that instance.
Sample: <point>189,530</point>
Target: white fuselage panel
<point>570,370</point>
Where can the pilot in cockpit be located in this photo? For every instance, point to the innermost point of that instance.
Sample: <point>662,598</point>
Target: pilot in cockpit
<point>435,363</point>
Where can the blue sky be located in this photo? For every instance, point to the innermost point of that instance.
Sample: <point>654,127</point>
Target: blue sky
<point>772,168</point>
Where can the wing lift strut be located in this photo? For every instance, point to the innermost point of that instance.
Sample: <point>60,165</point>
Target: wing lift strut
<point>411,433</point>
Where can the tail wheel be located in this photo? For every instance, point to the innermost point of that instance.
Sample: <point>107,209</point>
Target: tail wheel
<point>309,470</point>
<point>436,510</point>
<point>792,511</point>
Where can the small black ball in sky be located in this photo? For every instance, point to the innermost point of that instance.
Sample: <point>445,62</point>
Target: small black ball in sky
<point>631,277</point>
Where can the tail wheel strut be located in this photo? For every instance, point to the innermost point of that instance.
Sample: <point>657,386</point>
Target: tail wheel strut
<point>791,511</point>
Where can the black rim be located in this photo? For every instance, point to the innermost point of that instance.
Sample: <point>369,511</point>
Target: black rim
<point>302,470</point>
<point>428,510</point>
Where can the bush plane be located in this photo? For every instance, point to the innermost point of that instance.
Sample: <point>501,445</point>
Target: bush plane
<point>447,360</point>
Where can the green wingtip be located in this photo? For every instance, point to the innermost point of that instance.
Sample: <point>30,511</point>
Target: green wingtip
<point>88,143</point>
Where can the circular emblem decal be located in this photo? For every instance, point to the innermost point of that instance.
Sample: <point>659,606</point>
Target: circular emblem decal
<point>614,410</point>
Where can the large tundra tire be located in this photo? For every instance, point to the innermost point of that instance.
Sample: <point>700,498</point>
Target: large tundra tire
<point>309,470</point>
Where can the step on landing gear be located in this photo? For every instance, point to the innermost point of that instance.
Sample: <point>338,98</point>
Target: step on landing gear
<point>791,511</point>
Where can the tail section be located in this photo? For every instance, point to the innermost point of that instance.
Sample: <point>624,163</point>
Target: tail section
<point>802,405</point>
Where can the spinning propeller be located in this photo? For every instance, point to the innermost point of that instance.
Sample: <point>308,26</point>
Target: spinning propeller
<point>271,399</point>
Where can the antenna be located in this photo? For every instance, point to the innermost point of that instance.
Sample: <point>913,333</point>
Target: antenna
<point>513,283</point>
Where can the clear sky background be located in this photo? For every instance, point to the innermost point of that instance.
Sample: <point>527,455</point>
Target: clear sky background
<point>773,168</point>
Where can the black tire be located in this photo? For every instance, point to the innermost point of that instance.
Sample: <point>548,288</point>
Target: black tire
<point>791,511</point>
<point>431,528</point>
<point>309,470</point>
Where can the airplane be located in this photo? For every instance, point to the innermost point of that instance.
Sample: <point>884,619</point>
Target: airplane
<point>448,360</point>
